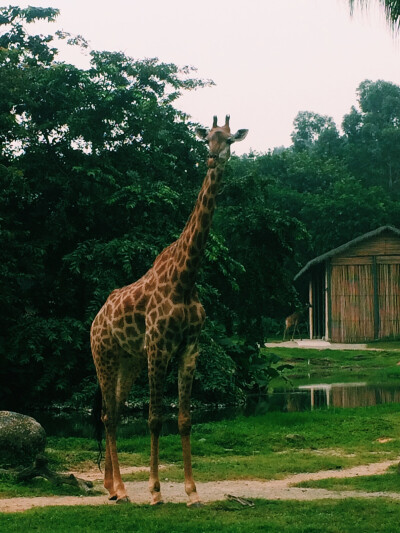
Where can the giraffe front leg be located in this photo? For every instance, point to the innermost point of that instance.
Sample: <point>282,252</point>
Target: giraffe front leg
<point>108,472</point>
<point>154,480</point>
<point>185,380</point>
<point>157,362</point>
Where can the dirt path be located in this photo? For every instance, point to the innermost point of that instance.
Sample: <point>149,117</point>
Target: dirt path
<point>280,489</point>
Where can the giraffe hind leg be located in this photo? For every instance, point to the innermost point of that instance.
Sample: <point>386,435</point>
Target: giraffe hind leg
<point>157,367</point>
<point>185,379</point>
<point>115,385</point>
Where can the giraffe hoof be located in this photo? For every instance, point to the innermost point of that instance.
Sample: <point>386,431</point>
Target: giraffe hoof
<point>123,500</point>
<point>195,505</point>
<point>113,497</point>
<point>159,502</point>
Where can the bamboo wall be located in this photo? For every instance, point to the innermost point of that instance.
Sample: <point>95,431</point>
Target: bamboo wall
<point>365,291</point>
<point>389,300</point>
<point>352,303</point>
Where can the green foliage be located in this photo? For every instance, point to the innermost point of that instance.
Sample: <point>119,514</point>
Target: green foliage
<point>331,217</point>
<point>337,186</point>
<point>260,237</point>
<point>263,369</point>
<point>210,383</point>
<point>98,171</point>
<point>371,134</point>
<point>310,127</point>
<point>35,488</point>
<point>391,7</point>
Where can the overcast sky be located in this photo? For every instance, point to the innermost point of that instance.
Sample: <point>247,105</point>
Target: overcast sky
<point>269,59</point>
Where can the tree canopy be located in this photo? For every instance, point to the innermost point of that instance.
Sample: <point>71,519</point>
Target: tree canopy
<point>391,8</point>
<point>98,171</point>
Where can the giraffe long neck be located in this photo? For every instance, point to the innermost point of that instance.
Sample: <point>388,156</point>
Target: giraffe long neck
<point>192,242</point>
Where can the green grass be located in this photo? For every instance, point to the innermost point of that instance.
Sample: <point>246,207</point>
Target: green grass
<point>385,345</point>
<point>389,482</point>
<point>345,516</point>
<point>261,447</point>
<point>251,439</point>
<point>36,487</point>
<point>270,446</point>
<point>337,366</point>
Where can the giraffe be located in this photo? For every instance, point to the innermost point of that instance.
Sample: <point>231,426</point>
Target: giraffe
<point>156,318</point>
<point>295,319</point>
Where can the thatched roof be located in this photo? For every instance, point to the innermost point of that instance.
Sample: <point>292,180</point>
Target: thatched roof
<point>344,247</point>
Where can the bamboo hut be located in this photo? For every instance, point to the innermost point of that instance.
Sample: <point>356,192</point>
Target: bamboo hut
<point>354,289</point>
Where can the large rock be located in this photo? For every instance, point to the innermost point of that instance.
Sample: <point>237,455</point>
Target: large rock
<point>21,439</point>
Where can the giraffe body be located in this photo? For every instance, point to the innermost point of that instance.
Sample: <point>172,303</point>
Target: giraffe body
<point>156,318</point>
<point>294,320</point>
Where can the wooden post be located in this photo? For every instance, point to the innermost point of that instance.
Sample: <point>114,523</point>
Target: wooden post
<point>376,298</point>
<point>310,311</point>
<point>328,307</point>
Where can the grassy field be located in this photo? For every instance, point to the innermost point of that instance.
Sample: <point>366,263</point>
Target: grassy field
<point>346,516</point>
<point>389,482</point>
<point>269,446</point>
<point>260,447</point>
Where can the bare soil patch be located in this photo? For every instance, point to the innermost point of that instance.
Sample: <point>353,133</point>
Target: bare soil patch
<point>278,489</point>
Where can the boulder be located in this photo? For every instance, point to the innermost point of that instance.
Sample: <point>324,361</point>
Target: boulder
<point>21,439</point>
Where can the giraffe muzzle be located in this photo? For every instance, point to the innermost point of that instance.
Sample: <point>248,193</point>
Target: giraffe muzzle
<point>212,160</point>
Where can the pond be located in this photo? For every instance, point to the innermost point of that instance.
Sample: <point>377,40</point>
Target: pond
<point>339,395</point>
<point>306,397</point>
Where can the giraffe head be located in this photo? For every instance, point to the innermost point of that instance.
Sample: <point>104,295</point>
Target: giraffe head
<point>219,140</point>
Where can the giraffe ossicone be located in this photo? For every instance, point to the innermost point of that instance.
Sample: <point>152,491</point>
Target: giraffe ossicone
<point>156,318</point>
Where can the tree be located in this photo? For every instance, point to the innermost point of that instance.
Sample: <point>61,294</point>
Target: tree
<point>98,172</point>
<point>344,211</point>
<point>308,127</point>
<point>262,237</point>
<point>391,7</point>
<point>372,133</point>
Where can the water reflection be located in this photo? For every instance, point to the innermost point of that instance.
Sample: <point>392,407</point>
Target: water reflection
<point>350,395</point>
<point>304,398</point>
<point>324,395</point>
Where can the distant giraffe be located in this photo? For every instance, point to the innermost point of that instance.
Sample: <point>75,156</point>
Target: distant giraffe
<point>293,320</point>
<point>154,319</point>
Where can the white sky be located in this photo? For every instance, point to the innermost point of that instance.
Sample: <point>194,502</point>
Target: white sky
<point>269,59</point>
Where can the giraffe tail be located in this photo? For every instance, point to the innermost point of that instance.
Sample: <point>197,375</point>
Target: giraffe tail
<point>97,422</point>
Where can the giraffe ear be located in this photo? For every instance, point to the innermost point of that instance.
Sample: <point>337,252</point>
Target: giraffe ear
<point>239,135</point>
<point>202,133</point>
